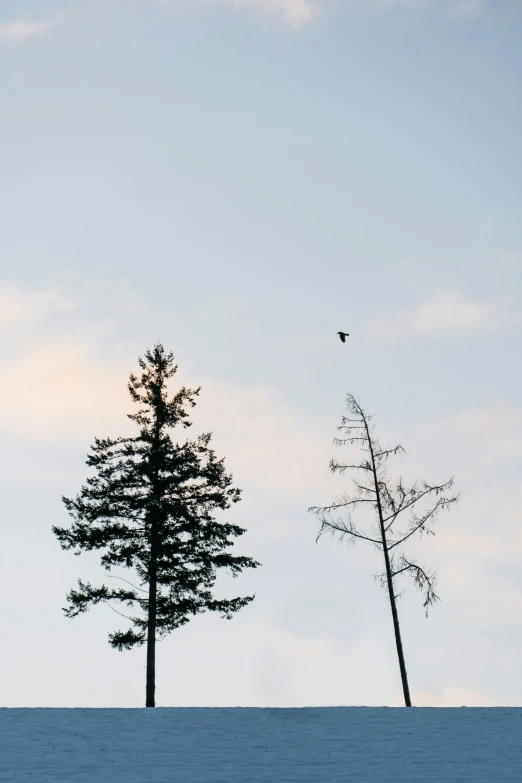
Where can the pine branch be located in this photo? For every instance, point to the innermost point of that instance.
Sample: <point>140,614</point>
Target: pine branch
<point>80,600</point>
<point>126,640</point>
<point>129,583</point>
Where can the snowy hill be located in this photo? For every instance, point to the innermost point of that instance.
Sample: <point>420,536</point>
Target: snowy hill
<point>229,745</point>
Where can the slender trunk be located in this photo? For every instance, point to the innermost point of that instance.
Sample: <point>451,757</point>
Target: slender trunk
<point>150,686</point>
<point>152,611</point>
<point>398,640</point>
<point>151,639</point>
<point>389,578</point>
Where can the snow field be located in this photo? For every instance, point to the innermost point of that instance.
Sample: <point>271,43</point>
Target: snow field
<point>261,745</point>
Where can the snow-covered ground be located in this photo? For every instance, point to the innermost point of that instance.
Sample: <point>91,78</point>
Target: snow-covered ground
<point>308,745</point>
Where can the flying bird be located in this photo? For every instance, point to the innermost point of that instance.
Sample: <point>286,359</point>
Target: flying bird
<point>343,336</point>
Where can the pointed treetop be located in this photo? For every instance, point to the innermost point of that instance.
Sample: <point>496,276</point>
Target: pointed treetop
<point>151,389</point>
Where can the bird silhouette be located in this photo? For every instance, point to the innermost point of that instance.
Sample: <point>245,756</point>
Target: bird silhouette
<point>343,336</point>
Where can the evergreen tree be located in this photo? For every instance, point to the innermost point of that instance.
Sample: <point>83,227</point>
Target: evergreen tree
<point>387,501</point>
<point>150,506</point>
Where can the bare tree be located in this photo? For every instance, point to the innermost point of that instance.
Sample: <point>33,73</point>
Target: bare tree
<point>387,500</point>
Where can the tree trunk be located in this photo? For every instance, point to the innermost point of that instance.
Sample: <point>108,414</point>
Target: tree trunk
<point>153,572</point>
<point>389,577</point>
<point>396,628</point>
<point>151,640</point>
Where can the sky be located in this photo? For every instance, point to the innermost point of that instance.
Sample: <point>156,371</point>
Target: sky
<point>239,180</point>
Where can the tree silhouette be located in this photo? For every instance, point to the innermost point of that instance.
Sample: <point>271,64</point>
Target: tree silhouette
<point>388,500</point>
<point>151,507</point>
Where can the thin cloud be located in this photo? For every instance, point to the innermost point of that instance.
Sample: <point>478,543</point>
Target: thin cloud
<point>296,13</point>
<point>467,8</point>
<point>17,304</point>
<point>446,313</point>
<point>21,30</point>
<point>498,424</point>
<point>319,647</point>
<point>62,390</point>
<point>465,543</point>
<point>453,8</point>
<point>482,448</point>
<point>451,697</point>
<point>59,390</point>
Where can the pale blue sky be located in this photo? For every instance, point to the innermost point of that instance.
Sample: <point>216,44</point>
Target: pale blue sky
<point>242,184</point>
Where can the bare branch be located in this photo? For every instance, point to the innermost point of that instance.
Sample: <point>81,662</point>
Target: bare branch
<point>386,452</point>
<point>397,508</point>
<point>362,488</point>
<point>121,613</point>
<point>332,527</point>
<point>344,504</point>
<point>388,500</point>
<point>416,497</point>
<point>423,580</point>
<point>421,521</point>
<point>129,583</point>
<point>334,465</point>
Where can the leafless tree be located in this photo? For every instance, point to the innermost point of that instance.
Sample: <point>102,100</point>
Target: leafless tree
<point>386,500</point>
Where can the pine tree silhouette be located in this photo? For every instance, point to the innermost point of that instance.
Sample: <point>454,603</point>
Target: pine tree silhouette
<point>151,507</point>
